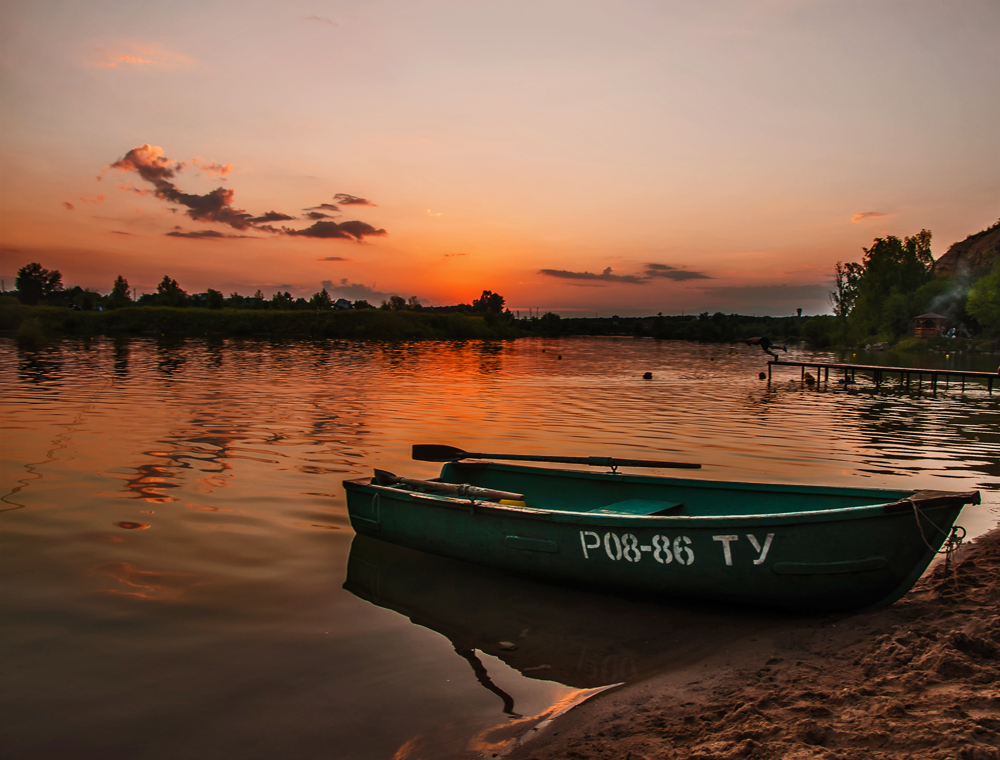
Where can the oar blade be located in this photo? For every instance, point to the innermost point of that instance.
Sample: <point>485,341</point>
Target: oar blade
<point>432,452</point>
<point>385,478</point>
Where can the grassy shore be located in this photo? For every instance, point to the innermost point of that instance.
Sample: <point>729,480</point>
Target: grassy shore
<point>34,325</point>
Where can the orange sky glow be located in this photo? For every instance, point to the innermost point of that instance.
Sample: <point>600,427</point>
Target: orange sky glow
<point>579,157</point>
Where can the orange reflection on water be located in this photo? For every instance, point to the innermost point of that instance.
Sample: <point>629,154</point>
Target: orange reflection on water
<point>494,741</point>
<point>144,584</point>
<point>149,481</point>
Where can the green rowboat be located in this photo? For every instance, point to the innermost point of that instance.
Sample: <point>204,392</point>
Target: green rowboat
<point>805,548</point>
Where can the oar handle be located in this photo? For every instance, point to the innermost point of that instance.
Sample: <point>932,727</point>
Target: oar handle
<point>459,489</point>
<point>441,453</point>
<point>590,461</point>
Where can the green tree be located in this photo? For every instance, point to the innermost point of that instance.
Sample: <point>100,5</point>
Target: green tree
<point>119,295</point>
<point>984,302</point>
<point>489,301</point>
<point>847,279</point>
<point>321,301</point>
<point>549,323</point>
<point>169,293</point>
<point>34,283</point>
<point>214,299</point>
<point>879,294</point>
<point>282,301</point>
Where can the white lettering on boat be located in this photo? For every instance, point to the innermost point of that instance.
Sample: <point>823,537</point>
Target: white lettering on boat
<point>756,545</point>
<point>631,551</point>
<point>627,547</point>
<point>617,553</point>
<point>683,552</point>
<point>726,540</point>
<point>662,554</point>
<point>583,540</point>
<point>664,549</point>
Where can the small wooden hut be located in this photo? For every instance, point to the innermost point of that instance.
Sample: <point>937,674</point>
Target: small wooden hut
<point>929,325</point>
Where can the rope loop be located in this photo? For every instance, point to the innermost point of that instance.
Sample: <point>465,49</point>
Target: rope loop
<point>953,539</point>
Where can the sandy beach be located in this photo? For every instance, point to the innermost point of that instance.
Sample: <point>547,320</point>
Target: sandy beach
<point>920,679</point>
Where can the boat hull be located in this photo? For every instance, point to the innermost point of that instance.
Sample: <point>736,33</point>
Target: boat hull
<point>830,559</point>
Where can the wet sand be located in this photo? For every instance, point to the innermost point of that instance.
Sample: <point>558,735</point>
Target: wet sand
<point>920,679</point>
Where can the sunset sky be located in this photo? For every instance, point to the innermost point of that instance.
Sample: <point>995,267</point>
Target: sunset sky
<point>580,157</point>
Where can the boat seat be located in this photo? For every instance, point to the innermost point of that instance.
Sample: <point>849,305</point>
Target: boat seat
<point>638,507</point>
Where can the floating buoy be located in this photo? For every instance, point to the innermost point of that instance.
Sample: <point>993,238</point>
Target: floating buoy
<point>762,376</point>
<point>559,357</point>
<point>809,378</point>
<point>648,376</point>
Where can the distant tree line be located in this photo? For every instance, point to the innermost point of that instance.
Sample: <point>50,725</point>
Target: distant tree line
<point>704,327</point>
<point>37,285</point>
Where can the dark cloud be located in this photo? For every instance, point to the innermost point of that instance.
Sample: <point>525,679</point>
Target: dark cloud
<point>152,166</point>
<point>216,206</point>
<point>654,271</point>
<point>345,199</point>
<point>69,206</point>
<point>119,232</point>
<point>651,272</point>
<point>314,215</point>
<point>605,276</point>
<point>271,216</point>
<point>355,291</point>
<point>333,258</point>
<point>352,230</point>
<point>203,234</point>
<point>324,206</point>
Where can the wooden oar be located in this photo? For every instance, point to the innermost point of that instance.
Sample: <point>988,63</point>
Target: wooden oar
<point>430,452</point>
<point>384,478</point>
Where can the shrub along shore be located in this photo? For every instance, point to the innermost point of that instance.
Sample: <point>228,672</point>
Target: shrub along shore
<point>37,324</point>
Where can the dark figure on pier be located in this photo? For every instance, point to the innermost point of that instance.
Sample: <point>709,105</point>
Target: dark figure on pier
<point>765,345</point>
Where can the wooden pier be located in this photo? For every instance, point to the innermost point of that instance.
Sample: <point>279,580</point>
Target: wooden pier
<point>878,374</point>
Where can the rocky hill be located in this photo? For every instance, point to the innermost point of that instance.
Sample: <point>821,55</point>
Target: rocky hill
<point>972,255</point>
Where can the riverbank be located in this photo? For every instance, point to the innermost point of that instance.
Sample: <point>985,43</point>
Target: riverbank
<point>920,679</point>
<point>35,325</point>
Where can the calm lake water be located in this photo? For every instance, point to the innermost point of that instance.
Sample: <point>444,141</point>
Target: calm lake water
<point>180,578</point>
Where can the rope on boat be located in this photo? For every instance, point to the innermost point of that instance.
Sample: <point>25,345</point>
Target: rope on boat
<point>951,543</point>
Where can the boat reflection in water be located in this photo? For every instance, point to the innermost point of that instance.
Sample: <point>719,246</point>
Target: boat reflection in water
<point>544,631</point>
